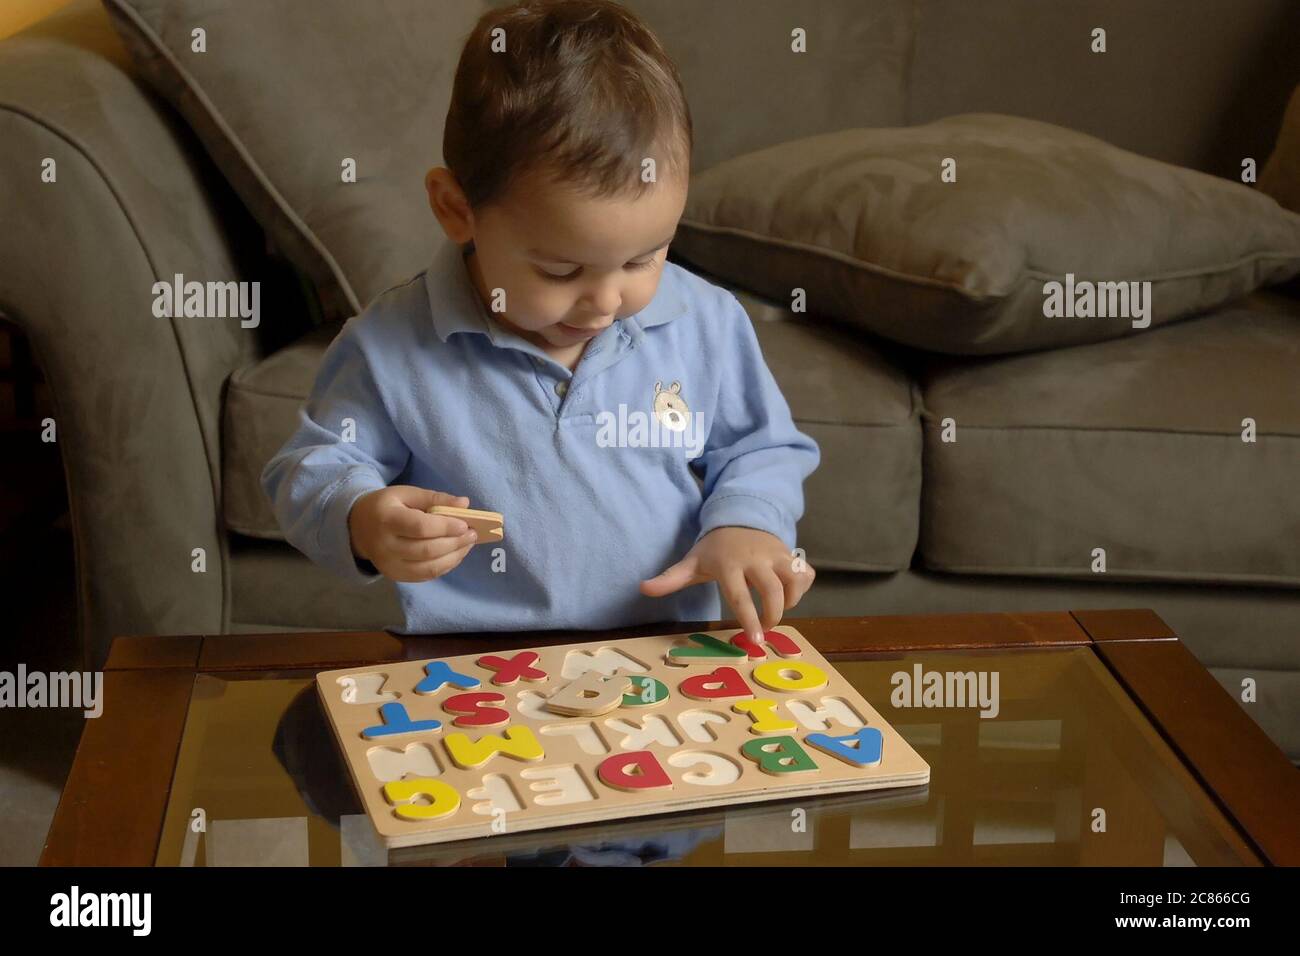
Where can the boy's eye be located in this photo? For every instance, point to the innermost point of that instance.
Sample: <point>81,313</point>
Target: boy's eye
<point>574,274</point>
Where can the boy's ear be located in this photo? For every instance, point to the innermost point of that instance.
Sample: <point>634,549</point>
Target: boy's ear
<point>449,205</point>
<point>430,179</point>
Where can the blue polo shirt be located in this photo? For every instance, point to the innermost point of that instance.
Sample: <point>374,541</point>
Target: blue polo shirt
<point>669,426</point>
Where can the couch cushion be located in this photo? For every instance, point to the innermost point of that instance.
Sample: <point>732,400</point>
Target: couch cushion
<point>273,587</point>
<point>260,414</point>
<point>1133,446</point>
<point>286,91</point>
<point>1200,91</point>
<point>864,221</point>
<point>747,89</point>
<point>861,503</point>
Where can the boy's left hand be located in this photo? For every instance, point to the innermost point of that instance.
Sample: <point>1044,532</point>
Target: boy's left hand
<point>738,559</point>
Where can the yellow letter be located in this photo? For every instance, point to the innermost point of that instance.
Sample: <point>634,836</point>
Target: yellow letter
<point>443,796</point>
<point>772,675</point>
<point>519,743</point>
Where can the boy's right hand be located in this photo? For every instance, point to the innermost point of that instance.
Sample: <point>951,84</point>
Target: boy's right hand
<point>391,529</point>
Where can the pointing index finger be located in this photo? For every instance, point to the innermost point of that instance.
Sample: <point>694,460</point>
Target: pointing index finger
<point>736,593</point>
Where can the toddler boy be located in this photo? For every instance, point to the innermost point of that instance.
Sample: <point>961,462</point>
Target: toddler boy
<point>551,365</point>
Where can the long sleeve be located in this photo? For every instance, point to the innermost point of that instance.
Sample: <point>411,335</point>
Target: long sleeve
<point>345,447</point>
<point>754,460</point>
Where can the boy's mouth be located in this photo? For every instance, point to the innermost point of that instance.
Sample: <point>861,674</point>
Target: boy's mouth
<point>585,333</point>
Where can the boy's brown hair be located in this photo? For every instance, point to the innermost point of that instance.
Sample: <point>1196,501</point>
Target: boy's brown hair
<point>582,92</point>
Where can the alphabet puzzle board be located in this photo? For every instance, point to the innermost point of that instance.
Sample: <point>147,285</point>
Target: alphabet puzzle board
<point>484,744</point>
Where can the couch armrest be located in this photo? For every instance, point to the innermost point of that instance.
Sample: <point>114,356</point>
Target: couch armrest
<point>137,397</point>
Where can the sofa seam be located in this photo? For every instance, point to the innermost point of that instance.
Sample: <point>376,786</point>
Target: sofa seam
<point>1111,429</point>
<point>1135,576</point>
<point>243,529</point>
<point>260,393</point>
<point>1023,275</point>
<point>907,425</point>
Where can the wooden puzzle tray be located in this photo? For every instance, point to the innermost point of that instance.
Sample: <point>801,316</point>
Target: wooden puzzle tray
<point>480,745</point>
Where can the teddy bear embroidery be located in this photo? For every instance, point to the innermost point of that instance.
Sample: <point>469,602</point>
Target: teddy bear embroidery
<point>670,408</point>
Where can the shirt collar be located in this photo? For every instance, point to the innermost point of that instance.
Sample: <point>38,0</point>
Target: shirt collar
<point>456,307</point>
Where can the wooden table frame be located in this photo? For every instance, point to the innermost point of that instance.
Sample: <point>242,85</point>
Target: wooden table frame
<point>1244,772</point>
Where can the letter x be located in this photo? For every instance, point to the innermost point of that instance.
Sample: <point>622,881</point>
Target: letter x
<point>508,672</point>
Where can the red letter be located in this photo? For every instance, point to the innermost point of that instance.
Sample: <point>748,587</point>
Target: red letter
<point>639,770</point>
<point>781,643</point>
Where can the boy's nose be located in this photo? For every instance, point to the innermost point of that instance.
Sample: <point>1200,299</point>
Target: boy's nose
<point>603,301</point>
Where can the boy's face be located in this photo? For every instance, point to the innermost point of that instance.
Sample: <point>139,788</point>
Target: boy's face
<point>569,266</point>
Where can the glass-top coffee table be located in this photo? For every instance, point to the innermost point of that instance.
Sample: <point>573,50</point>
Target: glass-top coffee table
<point>1110,746</point>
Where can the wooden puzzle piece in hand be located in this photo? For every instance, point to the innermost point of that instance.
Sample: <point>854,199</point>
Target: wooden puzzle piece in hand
<point>489,525</point>
<point>554,736</point>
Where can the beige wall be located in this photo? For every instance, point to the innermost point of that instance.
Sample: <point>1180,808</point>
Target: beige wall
<point>18,14</point>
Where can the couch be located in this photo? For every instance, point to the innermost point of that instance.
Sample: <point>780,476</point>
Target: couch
<point>164,424</point>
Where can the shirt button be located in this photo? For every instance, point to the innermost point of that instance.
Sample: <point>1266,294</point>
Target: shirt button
<point>561,387</point>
